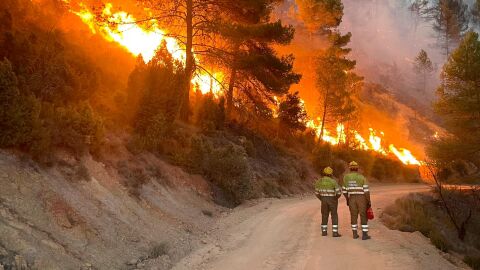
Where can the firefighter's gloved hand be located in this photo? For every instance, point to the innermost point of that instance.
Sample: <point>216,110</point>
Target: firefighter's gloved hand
<point>369,204</point>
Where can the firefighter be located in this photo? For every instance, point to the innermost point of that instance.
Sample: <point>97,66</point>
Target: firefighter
<point>328,191</point>
<point>356,191</point>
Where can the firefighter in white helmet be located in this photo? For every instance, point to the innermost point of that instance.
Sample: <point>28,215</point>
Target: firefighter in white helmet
<point>328,191</point>
<point>356,191</point>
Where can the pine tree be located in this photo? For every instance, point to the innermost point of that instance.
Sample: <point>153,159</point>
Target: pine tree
<point>424,67</point>
<point>198,25</point>
<point>154,89</point>
<point>320,15</point>
<point>420,10</point>
<point>255,70</point>
<point>292,114</point>
<point>18,113</point>
<point>336,82</point>
<point>191,23</point>
<point>450,21</point>
<point>459,104</point>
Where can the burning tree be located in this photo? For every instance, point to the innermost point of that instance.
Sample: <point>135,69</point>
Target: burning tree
<point>255,70</point>
<point>336,81</point>
<point>243,48</point>
<point>292,113</point>
<point>190,23</point>
<point>230,35</point>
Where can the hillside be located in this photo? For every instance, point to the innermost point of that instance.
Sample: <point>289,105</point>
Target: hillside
<point>79,215</point>
<point>143,134</point>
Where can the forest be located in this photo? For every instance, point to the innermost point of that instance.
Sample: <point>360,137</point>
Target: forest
<point>212,93</point>
<point>217,70</point>
<point>136,129</point>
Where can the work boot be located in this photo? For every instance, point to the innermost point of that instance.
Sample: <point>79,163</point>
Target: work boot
<point>365,236</point>
<point>355,235</point>
<point>336,234</point>
<point>324,233</point>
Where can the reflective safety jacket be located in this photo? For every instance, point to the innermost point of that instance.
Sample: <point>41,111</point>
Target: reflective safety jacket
<point>327,187</point>
<point>355,183</point>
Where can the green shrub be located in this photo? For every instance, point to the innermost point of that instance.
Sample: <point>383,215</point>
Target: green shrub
<point>207,213</point>
<point>270,189</point>
<point>413,213</point>
<point>302,170</point>
<point>438,240</point>
<point>18,113</point>
<point>211,114</point>
<point>82,173</point>
<point>158,250</point>
<point>226,165</point>
<point>419,213</point>
<point>473,261</point>
<point>133,178</point>
<point>250,148</point>
<point>155,88</point>
<point>153,135</point>
<point>77,128</point>
<point>287,176</point>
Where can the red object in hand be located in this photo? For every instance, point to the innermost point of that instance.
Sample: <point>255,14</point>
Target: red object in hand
<point>370,215</point>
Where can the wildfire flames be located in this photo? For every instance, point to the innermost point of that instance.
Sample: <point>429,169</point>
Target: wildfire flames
<point>123,29</point>
<point>374,143</point>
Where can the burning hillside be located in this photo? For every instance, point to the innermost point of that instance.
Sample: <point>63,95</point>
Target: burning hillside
<point>143,37</point>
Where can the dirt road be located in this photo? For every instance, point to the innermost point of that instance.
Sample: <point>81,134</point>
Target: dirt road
<point>285,234</point>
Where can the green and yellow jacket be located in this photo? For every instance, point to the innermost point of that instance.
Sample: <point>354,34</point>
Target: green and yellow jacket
<point>327,187</point>
<point>355,184</point>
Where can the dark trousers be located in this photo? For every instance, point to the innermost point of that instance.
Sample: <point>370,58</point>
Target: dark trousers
<point>358,206</point>
<point>329,207</point>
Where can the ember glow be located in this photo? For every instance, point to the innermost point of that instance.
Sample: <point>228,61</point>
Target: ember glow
<point>123,29</point>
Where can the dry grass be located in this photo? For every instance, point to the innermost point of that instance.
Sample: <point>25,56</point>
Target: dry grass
<point>423,213</point>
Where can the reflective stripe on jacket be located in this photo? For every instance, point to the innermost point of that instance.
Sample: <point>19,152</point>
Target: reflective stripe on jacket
<point>355,183</point>
<point>328,187</point>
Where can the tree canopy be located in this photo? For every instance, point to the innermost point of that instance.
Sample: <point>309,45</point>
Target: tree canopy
<point>459,104</point>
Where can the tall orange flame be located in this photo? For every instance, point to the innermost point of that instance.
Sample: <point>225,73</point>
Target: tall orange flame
<point>122,28</point>
<point>374,142</point>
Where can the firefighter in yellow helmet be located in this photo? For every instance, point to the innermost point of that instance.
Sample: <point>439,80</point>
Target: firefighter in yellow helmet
<point>356,191</point>
<point>328,191</point>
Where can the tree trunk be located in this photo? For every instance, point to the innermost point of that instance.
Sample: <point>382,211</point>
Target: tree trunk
<point>189,63</point>
<point>231,86</point>
<point>324,115</point>
<point>231,83</point>
<point>424,82</point>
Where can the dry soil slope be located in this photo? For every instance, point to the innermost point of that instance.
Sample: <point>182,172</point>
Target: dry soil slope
<point>50,222</point>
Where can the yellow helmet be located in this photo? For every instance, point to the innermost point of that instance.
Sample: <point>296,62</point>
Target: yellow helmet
<point>328,171</point>
<point>353,164</point>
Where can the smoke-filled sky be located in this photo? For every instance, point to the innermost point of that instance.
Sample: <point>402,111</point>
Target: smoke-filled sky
<point>386,39</point>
